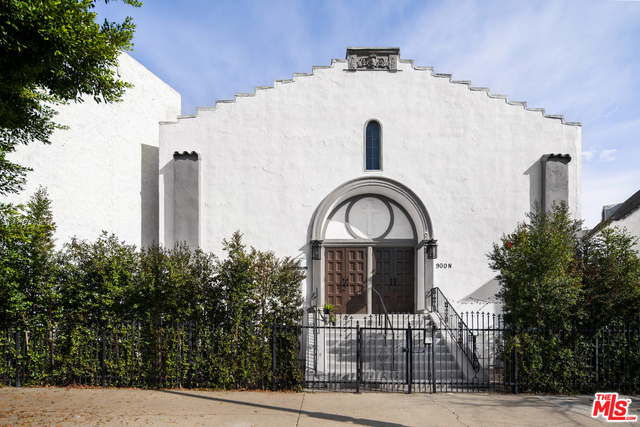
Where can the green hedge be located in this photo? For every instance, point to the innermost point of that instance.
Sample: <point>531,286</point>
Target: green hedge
<point>63,300</point>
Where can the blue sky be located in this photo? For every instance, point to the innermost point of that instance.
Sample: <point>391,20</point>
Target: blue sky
<point>580,59</point>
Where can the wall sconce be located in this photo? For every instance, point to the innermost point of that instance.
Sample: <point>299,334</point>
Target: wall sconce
<point>432,249</point>
<point>316,248</point>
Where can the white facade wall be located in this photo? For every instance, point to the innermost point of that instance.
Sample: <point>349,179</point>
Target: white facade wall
<point>631,223</point>
<point>101,173</point>
<point>270,158</point>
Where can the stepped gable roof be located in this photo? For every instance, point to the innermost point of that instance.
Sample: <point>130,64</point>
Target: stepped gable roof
<point>378,59</point>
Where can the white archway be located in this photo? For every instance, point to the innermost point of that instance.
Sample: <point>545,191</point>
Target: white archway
<point>399,194</point>
<point>394,190</point>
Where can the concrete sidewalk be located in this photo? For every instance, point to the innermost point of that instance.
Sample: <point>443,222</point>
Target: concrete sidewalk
<point>67,406</point>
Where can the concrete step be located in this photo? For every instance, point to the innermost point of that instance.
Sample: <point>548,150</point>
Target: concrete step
<point>374,348</point>
<point>399,376</point>
<point>383,353</point>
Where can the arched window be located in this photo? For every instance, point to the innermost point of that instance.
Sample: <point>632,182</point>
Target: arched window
<point>373,151</point>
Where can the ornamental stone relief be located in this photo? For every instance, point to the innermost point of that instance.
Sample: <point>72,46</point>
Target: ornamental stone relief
<point>373,59</point>
<point>369,218</point>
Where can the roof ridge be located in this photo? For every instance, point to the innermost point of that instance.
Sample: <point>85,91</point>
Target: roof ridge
<point>411,62</point>
<point>296,76</point>
<point>488,91</point>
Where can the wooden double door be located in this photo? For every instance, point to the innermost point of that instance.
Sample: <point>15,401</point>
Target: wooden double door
<point>393,278</point>
<point>346,278</point>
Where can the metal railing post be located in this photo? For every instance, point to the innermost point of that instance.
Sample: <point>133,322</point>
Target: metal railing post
<point>103,358</point>
<point>409,358</point>
<point>515,350</point>
<point>315,342</point>
<point>433,356</point>
<point>18,357</point>
<point>597,377</point>
<point>358,356</point>
<point>189,357</point>
<point>273,357</point>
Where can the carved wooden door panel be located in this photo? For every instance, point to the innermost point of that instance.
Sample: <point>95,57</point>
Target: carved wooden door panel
<point>346,279</point>
<point>404,281</point>
<point>334,275</point>
<point>382,274</point>
<point>393,277</point>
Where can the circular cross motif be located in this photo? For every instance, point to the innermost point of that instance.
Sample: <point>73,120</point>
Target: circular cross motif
<point>369,217</point>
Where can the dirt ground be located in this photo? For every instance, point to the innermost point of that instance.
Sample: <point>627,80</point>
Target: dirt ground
<point>96,406</point>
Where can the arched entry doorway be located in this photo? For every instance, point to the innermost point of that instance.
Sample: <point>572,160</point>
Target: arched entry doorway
<point>370,234</point>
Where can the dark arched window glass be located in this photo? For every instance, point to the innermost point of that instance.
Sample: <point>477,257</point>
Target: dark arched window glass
<point>372,146</point>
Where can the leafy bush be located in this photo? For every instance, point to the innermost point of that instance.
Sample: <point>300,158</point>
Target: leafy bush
<point>538,274</point>
<point>562,295</point>
<point>164,314</point>
<point>610,276</point>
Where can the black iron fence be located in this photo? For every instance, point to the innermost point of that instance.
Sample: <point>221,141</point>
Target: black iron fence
<point>417,353</point>
<point>430,353</point>
<point>454,326</point>
<point>582,359</point>
<point>136,354</point>
<point>401,353</point>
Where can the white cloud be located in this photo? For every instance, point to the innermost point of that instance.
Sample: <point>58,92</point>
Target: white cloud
<point>606,155</point>
<point>588,155</point>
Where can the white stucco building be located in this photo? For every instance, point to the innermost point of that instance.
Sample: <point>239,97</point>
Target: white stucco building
<point>625,215</point>
<point>360,169</point>
<point>101,173</point>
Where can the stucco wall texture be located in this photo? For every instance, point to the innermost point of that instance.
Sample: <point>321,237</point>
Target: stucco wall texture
<point>101,173</point>
<point>631,223</point>
<point>268,159</point>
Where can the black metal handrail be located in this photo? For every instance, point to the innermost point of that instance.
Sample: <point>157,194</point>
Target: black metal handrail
<point>393,335</point>
<point>456,327</point>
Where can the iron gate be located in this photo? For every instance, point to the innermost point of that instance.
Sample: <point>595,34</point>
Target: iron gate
<point>404,353</point>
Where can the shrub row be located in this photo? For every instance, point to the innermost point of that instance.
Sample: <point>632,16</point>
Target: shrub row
<point>69,297</point>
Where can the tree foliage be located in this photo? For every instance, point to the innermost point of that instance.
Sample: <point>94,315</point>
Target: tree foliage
<point>611,276</point>
<point>538,274</point>
<point>97,280</point>
<point>28,268</point>
<point>175,285</point>
<point>108,281</point>
<point>154,305</point>
<point>562,295</point>
<point>52,52</point>
<point>550,277</point>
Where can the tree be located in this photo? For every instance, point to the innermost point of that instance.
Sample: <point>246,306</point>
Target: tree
<point>560,293</point>
<point>52,52</point>
<point>538,271</point>
<point>28,267</point>
<point>550,277</point>
<point>611,276</point>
